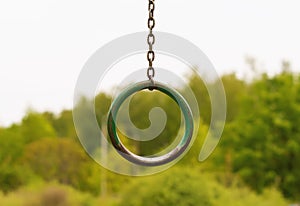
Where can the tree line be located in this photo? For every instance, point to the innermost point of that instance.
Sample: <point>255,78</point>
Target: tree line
<point>259,148</point>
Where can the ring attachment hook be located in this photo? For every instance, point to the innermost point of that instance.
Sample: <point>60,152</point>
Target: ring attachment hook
<point>150,75</point>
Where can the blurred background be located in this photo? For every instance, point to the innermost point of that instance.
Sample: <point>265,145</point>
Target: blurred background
<point>255,48</point>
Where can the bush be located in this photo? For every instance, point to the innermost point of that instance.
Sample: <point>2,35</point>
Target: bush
<point>54,196</point>
<point>10,179</point>
<point>62,160</point>
<point>187,186</point>
<point>175,187</point>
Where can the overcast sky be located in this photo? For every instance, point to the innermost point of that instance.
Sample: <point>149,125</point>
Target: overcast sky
<point>45,43</point>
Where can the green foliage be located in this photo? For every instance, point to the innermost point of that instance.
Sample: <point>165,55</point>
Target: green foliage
<point>35,126</point>
<point>11,144</point>
<point>174,187</point>
<point>242,196</point>
<point>263,141</point>
<point>11,147</point>
<point>235,90</point>
<point>52,194</point>
<point>62,160</point>
<point>10,178</point>
<point>201,93</point>
<point>102,104</point>
<point>89,133</point>
<point>189,186</point>
<point>63,123</point>
<point>259,151</point>
<point>191,157</point>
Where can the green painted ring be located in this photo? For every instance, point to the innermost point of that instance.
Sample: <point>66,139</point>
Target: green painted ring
<point>157,160</point>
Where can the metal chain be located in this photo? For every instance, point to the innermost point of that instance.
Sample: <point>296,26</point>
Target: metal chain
<point>151,41</point>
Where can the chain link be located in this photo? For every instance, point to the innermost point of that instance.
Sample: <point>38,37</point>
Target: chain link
<point>151,41</point>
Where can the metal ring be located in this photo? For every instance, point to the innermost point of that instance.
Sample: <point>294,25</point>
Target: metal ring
<point>156,160</point>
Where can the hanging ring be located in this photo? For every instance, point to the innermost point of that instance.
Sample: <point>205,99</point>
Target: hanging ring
<point>150,160</point>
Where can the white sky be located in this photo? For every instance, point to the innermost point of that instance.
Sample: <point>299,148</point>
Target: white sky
<point>44,44</point>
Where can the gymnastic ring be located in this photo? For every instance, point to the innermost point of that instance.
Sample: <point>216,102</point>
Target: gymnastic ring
<point>150,160</point>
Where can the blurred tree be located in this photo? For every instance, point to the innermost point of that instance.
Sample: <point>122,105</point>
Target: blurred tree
<point>175,187</point>
<point>260,143</point>
<point>63,123</point>
<point>264,140</point>
<point>10,178</point>
<point>11,147</point>
<point>191,157</point>
<point>35,126</point>
<point>201,93</point>
<point>235,90</point>
<point>90,135</point>
<point>11,144</point>
<point>61,160</point>
<point>102,104</point>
